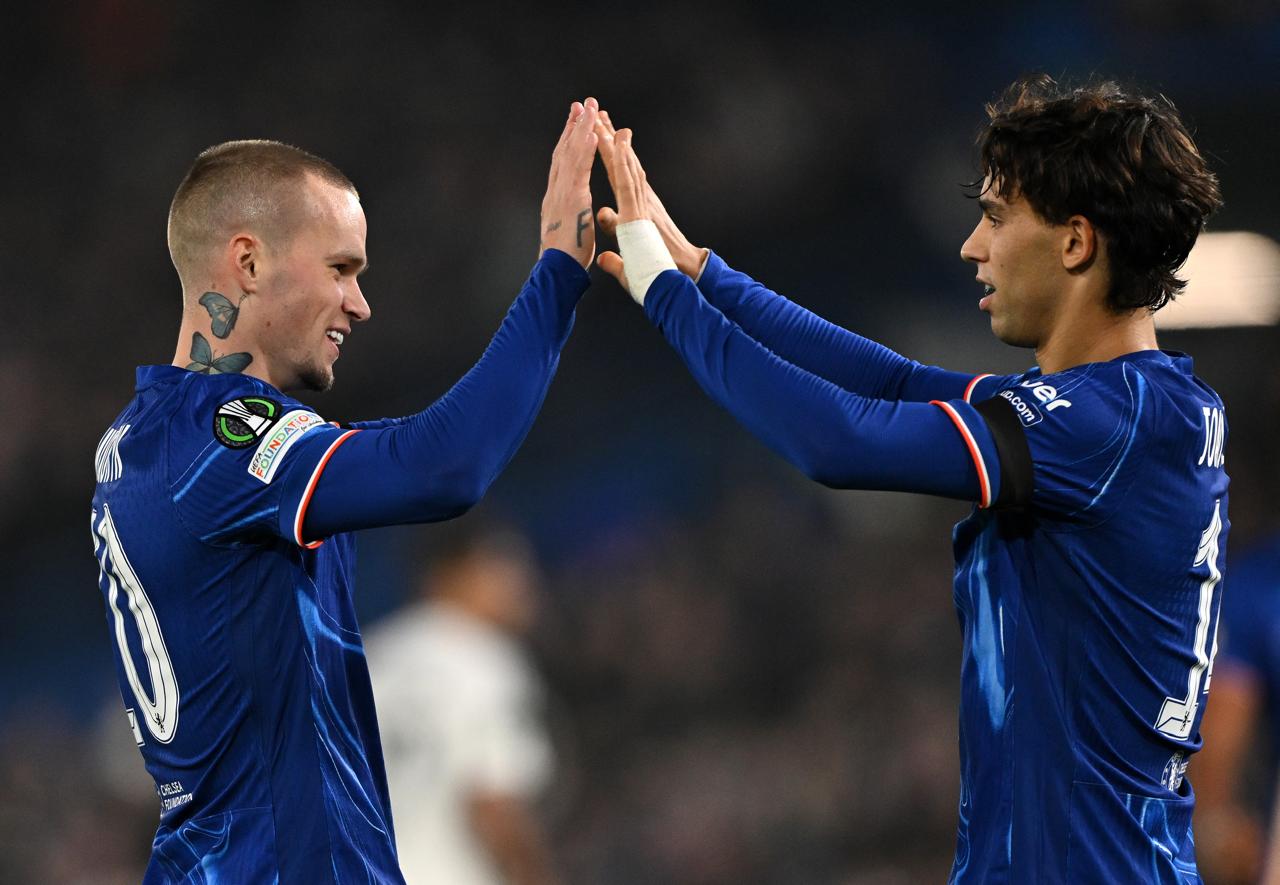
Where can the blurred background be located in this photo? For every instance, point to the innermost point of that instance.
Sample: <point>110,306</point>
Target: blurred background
<point>748,678</point>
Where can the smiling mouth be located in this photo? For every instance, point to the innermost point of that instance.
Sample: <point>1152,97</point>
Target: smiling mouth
<point>335,336</point>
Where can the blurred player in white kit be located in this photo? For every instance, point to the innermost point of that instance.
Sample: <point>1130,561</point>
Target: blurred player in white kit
<point>459,708</point>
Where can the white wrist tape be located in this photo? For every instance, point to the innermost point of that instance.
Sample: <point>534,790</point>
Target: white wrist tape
<point>644,256</point>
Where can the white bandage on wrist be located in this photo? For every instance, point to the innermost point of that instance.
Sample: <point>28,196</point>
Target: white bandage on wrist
<point>644,256</point>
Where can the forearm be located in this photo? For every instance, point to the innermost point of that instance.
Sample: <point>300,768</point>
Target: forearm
<point>835,436</point>
<point>829,351</point>
<point>437,463</point>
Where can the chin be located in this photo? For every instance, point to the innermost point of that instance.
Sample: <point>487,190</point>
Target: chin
<point>1012,337</point>
<point>317,379</point>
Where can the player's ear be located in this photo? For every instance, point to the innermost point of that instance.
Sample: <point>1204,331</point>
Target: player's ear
<point>1080,244</point>
<point>246,257</point>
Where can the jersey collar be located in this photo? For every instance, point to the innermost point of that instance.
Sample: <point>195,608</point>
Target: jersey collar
<point>149,375</point>
<point>1175,358</point>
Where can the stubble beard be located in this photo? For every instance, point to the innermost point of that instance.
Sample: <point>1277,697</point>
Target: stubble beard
<point>316,377</point>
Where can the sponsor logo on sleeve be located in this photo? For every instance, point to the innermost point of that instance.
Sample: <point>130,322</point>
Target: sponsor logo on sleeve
<point>239,423</point>
<point>1028,404</point>
<point>1028,413</point>
<point>287,431</point>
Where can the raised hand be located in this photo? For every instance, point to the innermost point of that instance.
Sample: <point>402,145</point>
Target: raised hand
<point>566,222</point>
<point>688,257</point>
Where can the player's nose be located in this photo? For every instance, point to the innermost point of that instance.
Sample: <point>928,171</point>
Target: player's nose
<point>975,247</point>
<point>355,305</point>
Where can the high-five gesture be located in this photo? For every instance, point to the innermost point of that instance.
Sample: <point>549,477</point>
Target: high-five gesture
<point>566,209</point>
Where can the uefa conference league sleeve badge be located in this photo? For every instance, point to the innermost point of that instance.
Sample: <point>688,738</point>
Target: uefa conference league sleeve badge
<point>241,422</point>
<point>258,420</point>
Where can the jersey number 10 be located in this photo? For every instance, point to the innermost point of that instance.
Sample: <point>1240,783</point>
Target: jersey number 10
<point>160,707</point>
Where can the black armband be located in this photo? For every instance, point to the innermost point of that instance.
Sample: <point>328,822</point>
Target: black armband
<point>1016,476</point>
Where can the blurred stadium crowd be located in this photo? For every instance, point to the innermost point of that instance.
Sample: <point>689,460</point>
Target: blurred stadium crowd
<point>752,679</point>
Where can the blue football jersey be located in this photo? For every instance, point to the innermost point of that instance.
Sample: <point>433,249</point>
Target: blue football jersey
<point>1089,618</point>
<point>236,643</point>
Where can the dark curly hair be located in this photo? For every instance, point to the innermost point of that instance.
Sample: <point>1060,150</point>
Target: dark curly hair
<point>1123,161</point>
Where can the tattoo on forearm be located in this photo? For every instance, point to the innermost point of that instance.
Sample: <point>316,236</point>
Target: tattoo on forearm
<point>204,362</point>
<point>555,225</point>
<point>583,225</point>
<point>223,313</point>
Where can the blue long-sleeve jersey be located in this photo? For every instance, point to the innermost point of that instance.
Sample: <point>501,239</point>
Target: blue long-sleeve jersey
<point>237,649</point>
<point>1087,578</point>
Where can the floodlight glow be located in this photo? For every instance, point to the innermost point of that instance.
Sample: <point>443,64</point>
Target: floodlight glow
<point>1233,279</point>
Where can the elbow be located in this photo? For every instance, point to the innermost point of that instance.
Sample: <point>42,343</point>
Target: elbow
<point>442,511</point>
<point>825,464</point>
<point>446,495</point>
<point>458,493</point>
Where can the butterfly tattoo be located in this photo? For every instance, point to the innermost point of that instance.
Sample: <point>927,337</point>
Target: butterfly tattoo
<point>223,313</point>
<point>203,361</point>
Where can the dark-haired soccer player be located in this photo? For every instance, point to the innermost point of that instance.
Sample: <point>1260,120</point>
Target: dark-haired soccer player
<point>1088,576</point>
<point>237,648</point>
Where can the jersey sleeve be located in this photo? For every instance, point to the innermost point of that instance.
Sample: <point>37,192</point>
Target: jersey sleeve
<point>838,437</point>
<point>1077,438</point>
<point>264,464</point>
<point>829,351</point>
<point>247,460</point>
<point>437,463</point>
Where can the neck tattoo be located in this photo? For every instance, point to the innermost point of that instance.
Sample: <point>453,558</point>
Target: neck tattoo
<point>205,362</point>
<point>222,312</point>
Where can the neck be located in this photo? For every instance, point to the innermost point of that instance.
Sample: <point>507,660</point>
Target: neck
<point>207,340</point>
<point>1095,335</point>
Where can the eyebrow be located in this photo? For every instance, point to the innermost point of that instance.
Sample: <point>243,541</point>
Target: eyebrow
<point>350,258</point>
<point>988,206</point>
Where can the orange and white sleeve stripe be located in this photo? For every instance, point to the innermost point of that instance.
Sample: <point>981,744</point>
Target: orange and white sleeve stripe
<point>310,490</point>
<point>975,452</point>
<point>968,391</point>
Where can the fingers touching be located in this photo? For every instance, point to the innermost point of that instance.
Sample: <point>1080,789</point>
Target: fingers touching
<point>626,176</point>
<point>636,197</point>
<point>567,218</point>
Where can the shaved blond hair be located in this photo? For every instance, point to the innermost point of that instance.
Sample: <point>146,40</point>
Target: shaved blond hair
<point>254,185</point>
